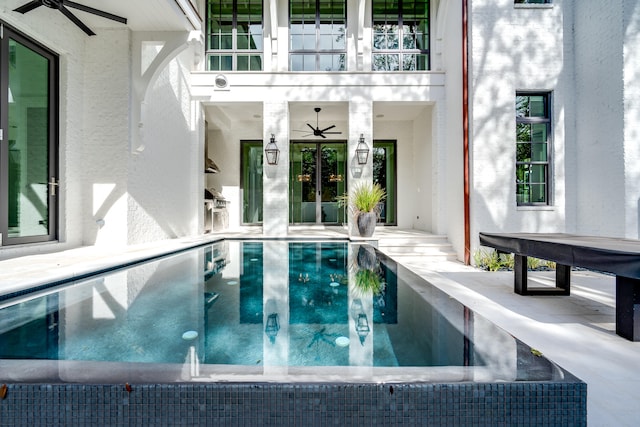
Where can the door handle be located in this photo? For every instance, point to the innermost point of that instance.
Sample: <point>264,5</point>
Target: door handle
<point>52,186</point>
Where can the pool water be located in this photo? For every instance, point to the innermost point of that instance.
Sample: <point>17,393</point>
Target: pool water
<point>258,311</point>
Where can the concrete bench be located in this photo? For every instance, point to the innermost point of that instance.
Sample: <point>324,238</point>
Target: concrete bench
<point>610,255</point>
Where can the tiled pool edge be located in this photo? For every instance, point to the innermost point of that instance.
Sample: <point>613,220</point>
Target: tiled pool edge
<point>460,404</point>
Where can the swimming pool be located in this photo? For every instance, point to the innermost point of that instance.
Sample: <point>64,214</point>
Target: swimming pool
<point>276,320</point>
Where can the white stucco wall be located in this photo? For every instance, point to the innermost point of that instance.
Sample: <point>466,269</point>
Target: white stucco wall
<point>600,172</point>
<point>449,40</point>
<point>631,64</point>
<point>513,49</point>
<point>105,143</point>
<point>166,175</point>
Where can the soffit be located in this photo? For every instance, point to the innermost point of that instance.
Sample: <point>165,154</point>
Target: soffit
<point>219,115</point>
<point>141,15</point>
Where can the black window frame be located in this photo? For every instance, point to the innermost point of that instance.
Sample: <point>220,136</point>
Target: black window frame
<point>317,51</point>
<point>234,53</point>
<point>532,1</point>
<point>402,51</point>
<point>520,164</point>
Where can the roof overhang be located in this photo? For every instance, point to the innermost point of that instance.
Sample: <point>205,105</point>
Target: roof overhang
<point>141,15</point>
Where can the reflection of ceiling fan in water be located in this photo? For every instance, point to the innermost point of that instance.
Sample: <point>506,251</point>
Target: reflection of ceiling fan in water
<point>316,131</point>
<point>62,5</point>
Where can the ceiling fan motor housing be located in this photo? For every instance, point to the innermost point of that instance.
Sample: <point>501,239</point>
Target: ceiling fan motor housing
<point>53,4</point>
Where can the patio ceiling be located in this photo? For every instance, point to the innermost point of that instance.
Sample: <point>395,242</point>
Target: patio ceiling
<point>222,115</point>
<point>141,15</point>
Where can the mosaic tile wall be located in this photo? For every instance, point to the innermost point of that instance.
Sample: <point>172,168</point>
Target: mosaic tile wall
<point>466,404</point>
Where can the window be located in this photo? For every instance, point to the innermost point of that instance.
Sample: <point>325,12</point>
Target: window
<point>532,1</point>
<point>317,35</point>
<point>533,130</point>
<point>234,35</point>
<point>400,35</point>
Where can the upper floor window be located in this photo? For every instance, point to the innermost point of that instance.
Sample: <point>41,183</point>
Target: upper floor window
<point>400,35</point>
<point>533,130</point>
<point>234,35</point>
<point>531,1</point>
<point>317,35</point>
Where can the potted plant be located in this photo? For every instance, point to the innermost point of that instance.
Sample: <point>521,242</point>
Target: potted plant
<point>364,202</point>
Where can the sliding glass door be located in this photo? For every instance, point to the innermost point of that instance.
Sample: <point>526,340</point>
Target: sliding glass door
<point>28,141</point>
<point>317,178</point>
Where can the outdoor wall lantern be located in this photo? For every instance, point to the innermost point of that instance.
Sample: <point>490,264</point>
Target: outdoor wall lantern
<point>362,327</point>
<point>362,151</point>
<point>272,327</point>
<point>272,151</point>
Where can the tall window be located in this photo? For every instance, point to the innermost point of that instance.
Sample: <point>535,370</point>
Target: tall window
<point>400,35</point>
<point>234,35</point>
<point>317,31</point>
<point>533,130</point>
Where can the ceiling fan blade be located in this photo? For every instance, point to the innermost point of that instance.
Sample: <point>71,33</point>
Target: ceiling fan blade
<point>333,133</point>
<point>95,11</point>
<point>326,129</point>
<point>312,128</point>
<point>28,7</point>
<point>76,21</point>
<point>322,136</point>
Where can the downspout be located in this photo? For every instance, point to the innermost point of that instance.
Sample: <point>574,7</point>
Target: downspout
<point>465,131</point>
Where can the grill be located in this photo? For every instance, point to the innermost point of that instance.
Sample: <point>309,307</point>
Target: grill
<point>216,216</point>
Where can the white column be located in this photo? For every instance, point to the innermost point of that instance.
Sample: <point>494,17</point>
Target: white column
<point>360,123</point>
<point>275,184</point>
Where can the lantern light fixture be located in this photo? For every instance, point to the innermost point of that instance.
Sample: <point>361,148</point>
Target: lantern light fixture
<point>362,151</point>
<point>271,151</point>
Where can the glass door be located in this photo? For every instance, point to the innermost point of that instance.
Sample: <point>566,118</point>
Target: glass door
<point>384,173</point>
<point>28,141</point>
<point>317,178</point>
<point>252,161</point>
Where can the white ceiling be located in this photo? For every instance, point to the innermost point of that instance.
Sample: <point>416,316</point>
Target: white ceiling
<point>141,15</point>
<point>304,112</point>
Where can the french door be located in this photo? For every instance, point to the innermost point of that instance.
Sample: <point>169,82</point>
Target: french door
<point>28,141</point>
<point>317,178</point>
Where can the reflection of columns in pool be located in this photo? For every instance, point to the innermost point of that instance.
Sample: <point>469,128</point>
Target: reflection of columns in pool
<point>275,299</point>
<point>360,307</point>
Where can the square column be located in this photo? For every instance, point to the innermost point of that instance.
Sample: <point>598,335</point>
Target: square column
<point>275,184</point>
<point>360,124</point>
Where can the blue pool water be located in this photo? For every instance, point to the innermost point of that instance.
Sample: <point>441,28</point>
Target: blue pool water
<point>253,311</point>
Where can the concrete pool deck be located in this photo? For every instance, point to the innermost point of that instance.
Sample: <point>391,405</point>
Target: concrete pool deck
<point>577,332</point>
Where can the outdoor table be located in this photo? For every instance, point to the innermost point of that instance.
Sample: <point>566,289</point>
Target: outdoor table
<point>617,256</point>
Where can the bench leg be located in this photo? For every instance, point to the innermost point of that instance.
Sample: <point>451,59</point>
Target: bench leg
<point>628,308</point>
<point>520,273</point>
<point>520,286</point>
<point>563,278</point>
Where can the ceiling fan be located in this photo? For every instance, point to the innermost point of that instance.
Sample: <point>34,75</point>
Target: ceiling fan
<point>321,132</point>
<point>62,5</point>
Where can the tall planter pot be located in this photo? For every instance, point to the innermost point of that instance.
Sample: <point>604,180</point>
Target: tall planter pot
<point>367,223</point>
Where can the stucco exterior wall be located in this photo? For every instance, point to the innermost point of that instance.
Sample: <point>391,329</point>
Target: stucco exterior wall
<point>166,174</point>
<point>515,48</point>
<point>105,120</point>
<point>631,75</point>
<point>600,172</point>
